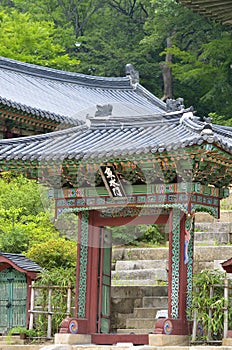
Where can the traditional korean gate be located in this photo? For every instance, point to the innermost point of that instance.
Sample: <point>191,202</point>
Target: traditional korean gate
<point>104,278</point>
<point>13,299</point>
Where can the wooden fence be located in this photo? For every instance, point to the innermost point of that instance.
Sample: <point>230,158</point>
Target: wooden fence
<point>227,301</point>
<point>50,310</point>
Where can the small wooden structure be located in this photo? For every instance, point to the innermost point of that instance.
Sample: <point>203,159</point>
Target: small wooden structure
<point>131,159</point>
<point>16,275</point>
<point>227,265</point>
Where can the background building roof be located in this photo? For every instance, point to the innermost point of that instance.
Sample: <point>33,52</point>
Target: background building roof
<point>220,10</point>
<point>66,97</point>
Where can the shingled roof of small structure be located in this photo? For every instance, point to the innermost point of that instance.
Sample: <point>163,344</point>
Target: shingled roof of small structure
<point>106,138</point>
<point>22,262</point>
<point>67,97</point>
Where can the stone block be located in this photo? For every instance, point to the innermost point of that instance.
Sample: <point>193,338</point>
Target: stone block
<point>66,338</point>
<point>56,347</point>
<point>140,264</point>
<point>140,254</point>
<point>227,342</point>
<point>161,302</point>
<point>157,274</point>
<point>210,253</point>
<point>217,265</point>
<point>139,323</point>
<point>124,306</point>
<point>168,340</point>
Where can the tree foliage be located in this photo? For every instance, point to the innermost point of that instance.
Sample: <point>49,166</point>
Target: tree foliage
<point>29,40</point>
<point>23,221</point>
<point>103,36</point>
<point>54,253</point>
<point>135,235</point>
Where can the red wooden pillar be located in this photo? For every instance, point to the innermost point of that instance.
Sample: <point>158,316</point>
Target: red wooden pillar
<point>179,276</point>
<point>87,273</point>
<point>93,261</point>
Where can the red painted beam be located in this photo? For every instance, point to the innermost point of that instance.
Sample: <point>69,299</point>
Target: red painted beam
<point>111,339</point>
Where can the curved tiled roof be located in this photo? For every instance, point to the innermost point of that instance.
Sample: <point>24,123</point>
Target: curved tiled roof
<point>22,262</point>
<point>116,137</point>
<point>216,9</point>
<point>68,97</point>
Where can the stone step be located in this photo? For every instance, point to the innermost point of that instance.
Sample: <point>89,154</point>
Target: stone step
<point>143,312</point>
<point>128,292</point>
<point>225,216</point>
<point>140,323</point>
<point>24,347</point>
<point>136,283</point>
<point>135,330</point>
<point>161,302</point>
<point>212,237</point>
<point>13,339</point>
<point>150,274</point>
<point>141,264</point>
<point>140,254</point>
<point>219,227</point>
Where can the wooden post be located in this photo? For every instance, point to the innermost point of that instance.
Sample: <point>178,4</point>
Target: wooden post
<point>194,331</point>
<point>210,309</point>
<point>49,330</point>
<point>226,297</point>
<point>69,299</point>
<point>31,321</point>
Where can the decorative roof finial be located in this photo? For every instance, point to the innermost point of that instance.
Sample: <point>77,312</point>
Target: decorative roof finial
<point>133,74</point>
<point>207,133</point>
<point>175,105</point>
<point>104,111</point>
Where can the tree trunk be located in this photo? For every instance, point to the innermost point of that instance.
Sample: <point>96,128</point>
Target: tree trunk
<point>167,74</point>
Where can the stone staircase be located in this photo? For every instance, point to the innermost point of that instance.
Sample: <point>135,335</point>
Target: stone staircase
<point>211,231</point>
<point>140,272</point>
<point>146,269</point>
<point>144,318</point>
<point>140,267</point>
<point>141,275</point>
<point>135,308</point>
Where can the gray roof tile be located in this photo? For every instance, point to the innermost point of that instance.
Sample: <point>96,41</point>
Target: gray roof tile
<point>22,262</point>
<point>68,97</point>
<point>116,137</point>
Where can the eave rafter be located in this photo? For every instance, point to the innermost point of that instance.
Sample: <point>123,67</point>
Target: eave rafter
<point>206,164</point>
<point>21,120</point>
<point>216,9</point>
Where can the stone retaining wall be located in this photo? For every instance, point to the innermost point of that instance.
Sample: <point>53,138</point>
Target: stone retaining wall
<point>125,299</point>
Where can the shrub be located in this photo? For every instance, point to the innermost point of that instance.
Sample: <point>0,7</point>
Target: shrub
<point>54,253</point>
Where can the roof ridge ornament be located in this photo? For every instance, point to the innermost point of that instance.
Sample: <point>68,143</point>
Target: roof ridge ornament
<point>133,75</point>
<point>207,132</point>
<point>175,105</point>
<point>104,111</point>
<point>188,114</point>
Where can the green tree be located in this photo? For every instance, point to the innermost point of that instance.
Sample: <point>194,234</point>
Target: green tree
<point>181,34</point>
<point>177,52</point>
<point>19,193</point>
<point>206,73</point>
<point>54,253</point>
<point>34,41</point>
<point>23,221</point>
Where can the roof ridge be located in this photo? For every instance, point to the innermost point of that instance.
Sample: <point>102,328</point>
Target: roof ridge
<point>66,76</point>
